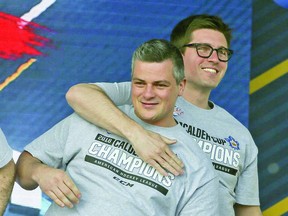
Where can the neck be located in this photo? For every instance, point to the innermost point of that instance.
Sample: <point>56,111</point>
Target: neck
<point>167,123</point>
<point>197,97</point>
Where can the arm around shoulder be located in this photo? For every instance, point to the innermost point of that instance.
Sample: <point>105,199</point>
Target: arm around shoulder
<point>82,95</point>
<point>93,104</point>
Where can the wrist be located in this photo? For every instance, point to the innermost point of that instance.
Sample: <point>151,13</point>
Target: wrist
<point>134,132</point>
<point>37,171</point>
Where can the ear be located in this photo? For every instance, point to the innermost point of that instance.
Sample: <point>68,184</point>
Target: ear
<point>182,87</point>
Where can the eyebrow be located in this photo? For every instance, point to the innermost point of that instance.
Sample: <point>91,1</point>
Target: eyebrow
<point>212,46</point>
<point>155,82</point>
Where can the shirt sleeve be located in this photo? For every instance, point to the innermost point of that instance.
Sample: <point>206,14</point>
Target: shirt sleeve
<point>5,150</point>
<point>119,93</point>
<point>50,146</point>
<point>247,189</point>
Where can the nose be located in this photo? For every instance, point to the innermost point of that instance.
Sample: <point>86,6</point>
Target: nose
<point>214,56</point>
<point>148,92</point>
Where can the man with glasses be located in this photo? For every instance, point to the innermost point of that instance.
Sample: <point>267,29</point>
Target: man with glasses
<point>204,42</point>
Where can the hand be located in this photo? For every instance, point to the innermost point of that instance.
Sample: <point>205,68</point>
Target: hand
<point>153,149</point>
<point>58,186</point>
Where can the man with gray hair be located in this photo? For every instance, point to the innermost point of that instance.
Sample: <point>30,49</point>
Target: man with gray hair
<point>87,170</point>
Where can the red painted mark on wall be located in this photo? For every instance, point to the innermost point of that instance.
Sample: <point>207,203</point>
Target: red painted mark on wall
<point>19,38</point>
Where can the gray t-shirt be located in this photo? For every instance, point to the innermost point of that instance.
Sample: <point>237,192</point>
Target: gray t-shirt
<point>5,150</point>
<point>114,181</point>
<point>227,143</point>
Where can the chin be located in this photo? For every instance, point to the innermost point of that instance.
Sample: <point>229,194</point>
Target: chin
<point>148,119</point>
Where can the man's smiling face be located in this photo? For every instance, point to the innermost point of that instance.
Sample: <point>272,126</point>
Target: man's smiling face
<point>204,73</point>
<point>154,92</point>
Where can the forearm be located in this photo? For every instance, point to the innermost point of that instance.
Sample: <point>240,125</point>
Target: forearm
<point>27,169</point>
<point>7,178</point>
<point>92,104</point>
<point>243,210</point>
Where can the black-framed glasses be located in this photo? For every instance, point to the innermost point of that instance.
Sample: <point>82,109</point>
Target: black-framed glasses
<point>205,51</point>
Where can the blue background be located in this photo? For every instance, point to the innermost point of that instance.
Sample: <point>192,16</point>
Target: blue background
<point>93,41</point>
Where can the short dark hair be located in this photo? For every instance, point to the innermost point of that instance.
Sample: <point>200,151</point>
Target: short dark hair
<point>181,33</point>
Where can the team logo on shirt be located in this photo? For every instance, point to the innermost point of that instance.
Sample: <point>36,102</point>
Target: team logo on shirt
<point>177,111</point>
<point>233,143</point>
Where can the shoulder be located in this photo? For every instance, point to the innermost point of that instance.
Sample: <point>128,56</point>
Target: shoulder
<point>229,119</point>
<point>115,85</point>
<point>236,129</point>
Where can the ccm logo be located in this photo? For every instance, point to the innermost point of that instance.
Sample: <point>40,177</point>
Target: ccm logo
<point>123,182</point>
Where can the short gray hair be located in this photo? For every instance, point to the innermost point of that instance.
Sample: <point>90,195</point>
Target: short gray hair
<point>159,50</point>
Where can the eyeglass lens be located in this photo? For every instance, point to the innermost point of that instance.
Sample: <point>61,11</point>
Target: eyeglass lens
<point>205,50</point>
